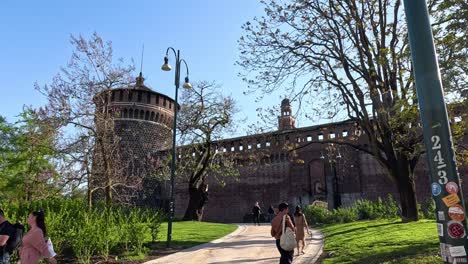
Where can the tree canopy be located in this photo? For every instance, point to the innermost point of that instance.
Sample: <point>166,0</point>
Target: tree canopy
<point>350,58</point>
<point>27,168</point>
<point>78,106</point>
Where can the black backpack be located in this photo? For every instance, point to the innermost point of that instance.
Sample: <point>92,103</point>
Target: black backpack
<point>14,241</point>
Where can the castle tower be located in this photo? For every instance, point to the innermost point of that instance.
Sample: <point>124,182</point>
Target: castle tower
<point>142,121</point>
<point>286,120</point>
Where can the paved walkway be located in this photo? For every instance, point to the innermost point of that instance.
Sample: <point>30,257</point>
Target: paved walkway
<point>248,244</point>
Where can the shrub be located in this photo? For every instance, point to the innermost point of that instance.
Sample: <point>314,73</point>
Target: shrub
<point>153,220</point>
<point>84,238</point>
<point>344,215</point>
<point>377,210</point>
<point>428,209</point>
<point>420,212</point>
<point>366,209</point>
<point>316,215</point>
<point>84,234</point>
<point>361,210</point>
<point>138,226</point>
<point>391,208</point>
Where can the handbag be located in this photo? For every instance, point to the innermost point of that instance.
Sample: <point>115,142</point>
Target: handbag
<point>50,248</point>
<point>288,238</point>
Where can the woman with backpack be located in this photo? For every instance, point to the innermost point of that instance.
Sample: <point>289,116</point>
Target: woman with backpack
<point>34,245</point>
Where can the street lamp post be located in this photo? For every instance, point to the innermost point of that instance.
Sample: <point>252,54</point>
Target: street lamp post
<point>336,193</point>
<point>445,180</point>
<point>187,85</point>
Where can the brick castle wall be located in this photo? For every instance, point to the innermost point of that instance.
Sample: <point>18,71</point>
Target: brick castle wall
<point>282,178</point>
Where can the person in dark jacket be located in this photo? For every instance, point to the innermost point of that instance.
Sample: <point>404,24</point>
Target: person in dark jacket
<point>271,213</point>
<point>256,213</point>
<point>6,233</point>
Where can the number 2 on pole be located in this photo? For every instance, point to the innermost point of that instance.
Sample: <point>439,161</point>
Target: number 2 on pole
<point>436,141</point>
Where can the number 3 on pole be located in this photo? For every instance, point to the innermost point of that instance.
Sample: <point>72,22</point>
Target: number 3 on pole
<point>442,177</point>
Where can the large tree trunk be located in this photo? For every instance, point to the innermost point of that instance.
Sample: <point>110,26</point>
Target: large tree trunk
<point>197,199</point>
<point>407,191</point>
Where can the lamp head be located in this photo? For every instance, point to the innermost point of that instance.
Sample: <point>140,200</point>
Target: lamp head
<point>166,66</point>
<point>187,84</point>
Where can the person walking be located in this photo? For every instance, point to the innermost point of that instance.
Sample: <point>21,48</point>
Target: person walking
<point>6,234</point>
<point>256,213</point>
<point>276,232</point>
<point>271,213</point>
<point>301,225</point>
<point>34,244</point>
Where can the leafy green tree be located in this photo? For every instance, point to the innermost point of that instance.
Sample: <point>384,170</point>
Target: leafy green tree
<point>449,27</point>
<point>458,113</point>
<point>351,59</point>
<point>27,170</point>
<point>6,150</point>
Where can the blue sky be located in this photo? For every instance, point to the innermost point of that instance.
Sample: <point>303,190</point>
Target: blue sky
<point>35,42</point>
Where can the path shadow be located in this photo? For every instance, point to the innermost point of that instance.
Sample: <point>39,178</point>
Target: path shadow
<point>250,260</point>
<point>238,244</point>
<point>381,257</point>
<point>359,228</point>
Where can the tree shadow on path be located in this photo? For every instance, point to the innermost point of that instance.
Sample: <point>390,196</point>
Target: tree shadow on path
<point>250,260</point>
<point>360,228</point>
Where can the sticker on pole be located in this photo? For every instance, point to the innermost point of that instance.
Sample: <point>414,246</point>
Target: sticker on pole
<point>436,189</point>
<point>440,229</point>
<point>444,250</point>
<point>451,187</point>
<point>451,199</point>
<point>456,213</point>
<point>458,251</point>
<point>440,216</point>
<point>459,260</point>
<point>456,230</point>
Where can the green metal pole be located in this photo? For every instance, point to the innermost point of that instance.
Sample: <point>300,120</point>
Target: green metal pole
<point>173,161</point>
<point>445,182</point>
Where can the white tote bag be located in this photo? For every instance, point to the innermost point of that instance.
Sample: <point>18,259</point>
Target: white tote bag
<point>50,247</point>
<point>288,238</point>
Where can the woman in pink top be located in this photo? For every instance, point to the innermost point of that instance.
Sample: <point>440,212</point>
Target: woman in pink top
<point>34,245</point>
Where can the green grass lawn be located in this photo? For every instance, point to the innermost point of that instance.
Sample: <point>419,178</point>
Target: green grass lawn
<point>188,234</point>
<point>184,235</point>
<point>382,241</point>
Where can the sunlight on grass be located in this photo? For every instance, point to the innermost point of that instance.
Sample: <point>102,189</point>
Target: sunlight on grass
<point>189,233</point>
<point>382,241</point>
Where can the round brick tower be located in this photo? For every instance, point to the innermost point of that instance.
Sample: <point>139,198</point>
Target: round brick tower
<point>143,121</point>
